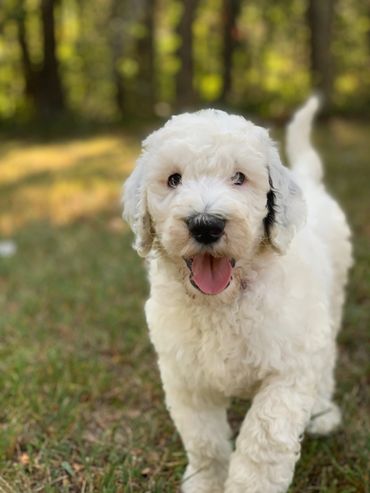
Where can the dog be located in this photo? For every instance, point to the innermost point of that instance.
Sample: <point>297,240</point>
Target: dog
<point>248,262</point>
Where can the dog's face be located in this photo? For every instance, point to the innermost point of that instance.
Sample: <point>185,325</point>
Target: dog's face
<point>207,190</point>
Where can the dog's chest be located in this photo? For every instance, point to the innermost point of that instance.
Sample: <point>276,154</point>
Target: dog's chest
<point>211,348</point>
<point>224,353</point>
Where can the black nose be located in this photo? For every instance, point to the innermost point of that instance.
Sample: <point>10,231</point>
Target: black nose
<point>206,228</point>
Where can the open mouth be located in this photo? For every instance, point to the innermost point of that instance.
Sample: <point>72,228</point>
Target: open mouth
<point>211,275</point>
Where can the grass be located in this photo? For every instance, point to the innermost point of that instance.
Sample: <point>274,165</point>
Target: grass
<point>81,402</point>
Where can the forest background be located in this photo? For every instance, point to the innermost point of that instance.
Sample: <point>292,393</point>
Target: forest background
<point>119,60</point>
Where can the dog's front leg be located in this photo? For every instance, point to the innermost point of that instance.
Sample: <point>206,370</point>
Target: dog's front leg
<point>268,445</point>
<point>200,418</point>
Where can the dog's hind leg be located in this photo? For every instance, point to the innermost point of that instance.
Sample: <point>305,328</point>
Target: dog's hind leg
<point>325,419</point>
<point>326,415</point>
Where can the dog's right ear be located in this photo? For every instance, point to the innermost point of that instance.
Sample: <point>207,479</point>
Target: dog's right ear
<point>135,210</point>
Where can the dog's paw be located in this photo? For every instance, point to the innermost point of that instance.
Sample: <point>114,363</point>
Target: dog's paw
<point>203,481</point>
<point>325,421</point>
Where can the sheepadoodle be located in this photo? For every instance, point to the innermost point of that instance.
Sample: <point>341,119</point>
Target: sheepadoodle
<point>248,262</point>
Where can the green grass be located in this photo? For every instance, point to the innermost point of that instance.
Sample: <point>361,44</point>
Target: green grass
<point>81,402</point>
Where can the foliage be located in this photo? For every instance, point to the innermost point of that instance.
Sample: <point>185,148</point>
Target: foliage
<point>271,69</point>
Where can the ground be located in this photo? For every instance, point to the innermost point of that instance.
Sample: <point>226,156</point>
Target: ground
<point>81,401</point>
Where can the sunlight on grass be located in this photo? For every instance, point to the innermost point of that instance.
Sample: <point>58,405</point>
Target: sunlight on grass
<point>21,159</point>
<point>63,181</point>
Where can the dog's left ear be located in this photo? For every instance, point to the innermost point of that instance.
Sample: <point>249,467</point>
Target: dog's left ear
<point>135,209</point>
<point>285,204</point>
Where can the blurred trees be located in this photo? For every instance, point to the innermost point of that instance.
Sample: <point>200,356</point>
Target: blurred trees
<point>112,59</point>
<point>42,81</point>
<point>185,94</point>
<point>230,12</point>
<point>146,81</point>
<point>116,39</point>
<point>320,22</point>
<point>131,30</point>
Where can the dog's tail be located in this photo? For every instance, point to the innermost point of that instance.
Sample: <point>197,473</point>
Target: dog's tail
<point>303,157</point>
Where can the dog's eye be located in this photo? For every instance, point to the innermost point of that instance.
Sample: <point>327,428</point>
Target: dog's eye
<point>174,180</point>
<point>239,178</point>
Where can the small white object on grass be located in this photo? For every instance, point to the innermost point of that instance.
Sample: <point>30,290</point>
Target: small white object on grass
<point>7,248</point>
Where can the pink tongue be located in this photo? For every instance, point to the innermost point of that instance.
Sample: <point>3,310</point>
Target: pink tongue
<point>211,274</point>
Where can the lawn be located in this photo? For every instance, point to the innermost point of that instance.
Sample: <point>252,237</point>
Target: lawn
<point>81,402</point>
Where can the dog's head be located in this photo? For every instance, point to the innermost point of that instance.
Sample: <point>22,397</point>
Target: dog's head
<point>207,191</point>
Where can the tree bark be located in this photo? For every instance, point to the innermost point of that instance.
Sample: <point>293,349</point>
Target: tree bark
<point>42,83</point>
<point>185,94</point>
<point>146,54</point>
<point>51,96</point>
<point>230,12</point>
<point>116,38</point>
<point>320,19</point>
<point>29,74</point>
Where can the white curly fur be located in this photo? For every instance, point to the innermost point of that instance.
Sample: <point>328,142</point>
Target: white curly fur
<point>270,335</point>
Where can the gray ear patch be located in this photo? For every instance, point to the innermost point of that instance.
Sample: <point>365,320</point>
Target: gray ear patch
<point>286,209</point>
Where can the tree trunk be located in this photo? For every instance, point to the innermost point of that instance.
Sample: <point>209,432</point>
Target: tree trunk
<point>29,74</point>
<point>124,14</point>
<point>230,12</point>
<point>116,38</point>
<point>320,20</point>
<point>51,96</point>
<point>185,94</point>
<point>43,87</point>
<point>146,53</point>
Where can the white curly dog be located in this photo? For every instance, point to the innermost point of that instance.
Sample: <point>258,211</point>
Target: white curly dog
<point>248,262</point>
